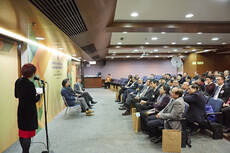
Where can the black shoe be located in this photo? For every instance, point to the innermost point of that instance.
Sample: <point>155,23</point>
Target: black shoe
<point>158,140</point>
<point>93,102</point>
<point>91,105</point>
<point>120,103</point>
<point>82,111</point>
<point>153,138</point>
<point>122,108</point>
<point>126,113</point>
<point>117,100</point>
<point>195,132</point>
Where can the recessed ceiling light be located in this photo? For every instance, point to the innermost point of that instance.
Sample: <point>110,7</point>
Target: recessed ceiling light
<point>215,38</point>
<point>124,32</point>
<point>112,57</point>
<point>163,32</point>
<point>135,50</point>
<point>114,52</point>
<point>147,43</point>
<point>175,50</point>
<point>134,14</point>
<point>186,51</point>
<point>199,33</point>
<point>165,47</point>
<point>118,47</point>
<point>173,43</point>
<point>84,60</point>
<point>169,52</point>
<point>60,48</point>
<point>141,56</point>
<point>79,57</point>
<point>119,43</point>
<point>151,52</point>
<point>154,38</point>
<point>194,50</point>
<point>156,56</point>
<point>185,38</point>
<point>127,56</point>
<point>39,38</point>
<point>155,50</point>
<point>189,15</point>
<point>74,55</point>
<point>199,43</point>
<point>223,43</point>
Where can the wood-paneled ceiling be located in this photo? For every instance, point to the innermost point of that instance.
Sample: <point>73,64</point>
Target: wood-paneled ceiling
<point>158,30</point>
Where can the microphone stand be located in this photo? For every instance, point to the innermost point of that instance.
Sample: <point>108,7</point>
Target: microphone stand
<point>46,128</point>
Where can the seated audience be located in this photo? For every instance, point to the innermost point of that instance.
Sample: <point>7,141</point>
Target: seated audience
<point>162,100</point>
<point>130,89</point>
<point>148,104</point>
<point>209,86</point>
<point>227,77</point>
<point>72,100</point>
<point>107,81</point>
<point>184,87</point>
<point>123,88</point>
<point>188,79</point>
<point>196,110</point>
<point>173,110</point>
<point>221,91</point>
<point>196,75</point>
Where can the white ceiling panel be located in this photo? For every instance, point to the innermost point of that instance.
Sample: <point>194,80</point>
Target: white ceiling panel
<point>148,10</point>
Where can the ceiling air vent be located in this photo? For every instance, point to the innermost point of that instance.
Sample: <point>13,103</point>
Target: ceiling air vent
<point>96,57</point>
<point>89,49</point>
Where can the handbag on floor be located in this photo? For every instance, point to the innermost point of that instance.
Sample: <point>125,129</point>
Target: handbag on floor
<point>171,140</point>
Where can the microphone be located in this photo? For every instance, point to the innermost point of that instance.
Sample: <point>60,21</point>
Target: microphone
<point>36,78</point>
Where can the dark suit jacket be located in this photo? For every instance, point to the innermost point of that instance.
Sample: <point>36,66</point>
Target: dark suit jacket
<point>135,86</point>
<point>70,99</point>
<point>27,110</point>
<point>77,87</point>
<point>209,89</point>
<point>223,94</point>
<point>196,109</point>
<point>148,95</point>
<point>139,89</point>
<point>154,97</point>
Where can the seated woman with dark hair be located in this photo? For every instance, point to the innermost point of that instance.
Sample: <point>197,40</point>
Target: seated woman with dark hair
<point>72,100</point>
<point>162,100</point>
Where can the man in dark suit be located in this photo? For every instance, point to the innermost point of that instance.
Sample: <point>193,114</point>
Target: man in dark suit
<point>78,88</point>
<point>196,112</point>
<point>145,105</point>
<point>144,95</point>
<point>209,86</point>
<point>123,88</point>
<point>196,75</point>
<point>221,91</point>
<point>227,77</point>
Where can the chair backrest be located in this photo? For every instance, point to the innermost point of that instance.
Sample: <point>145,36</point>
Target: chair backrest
<point>66,104</point>
<point>216,104</point>
<point>186,105</point>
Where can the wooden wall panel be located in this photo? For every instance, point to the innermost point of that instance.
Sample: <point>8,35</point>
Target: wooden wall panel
<point>188,67</point>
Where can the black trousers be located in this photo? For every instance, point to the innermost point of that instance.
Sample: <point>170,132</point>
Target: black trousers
<point>107,85</point>
<point>140,107</point>
<point>87,97</point>
<point>121,91</point>
<point>152,126</point>
<point>226,116</point>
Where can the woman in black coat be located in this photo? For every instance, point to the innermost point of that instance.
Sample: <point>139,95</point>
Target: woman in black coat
<point>27,111</point>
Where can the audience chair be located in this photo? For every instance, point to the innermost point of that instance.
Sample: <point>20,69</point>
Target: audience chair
<point>77,106</point>
<point>215,127</point>
<point>185,139</point>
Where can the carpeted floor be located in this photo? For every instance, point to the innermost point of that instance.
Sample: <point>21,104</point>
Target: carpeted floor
<point>107,132</point>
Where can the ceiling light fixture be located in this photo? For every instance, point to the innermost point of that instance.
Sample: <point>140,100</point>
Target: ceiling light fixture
<point>199,43</point>
<point>151,52</point>
<point>155,50</point>
<point>114,52</point>
<point>135,50</point>
<point>127,56</point>
<point>194,50</point>
<point>112,57</point>
<point>223,43</point>
<point>40,38</point>
<point>189,15</point>
<point>74,55</point>
<point>147,43</point>
<point>154,38</point>
<point>175,50</point>
<point>163,32</point>
<point>185,38</point>
<point>119,43</point>
<point>156,56</point>
<point>165,47</point>
<point>60,48</point>
<point>173,43</point>
<point>186,51</point>
<point>124,32</point>
<point>134,14</point>
<point>214,39</point>
<point>199,33</point>
<point>18,37</point>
